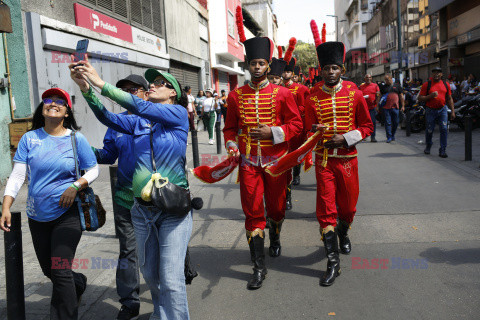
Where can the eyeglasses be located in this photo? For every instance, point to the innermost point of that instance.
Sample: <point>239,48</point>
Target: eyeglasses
<point>58,102</point>
<point>131,90</point>
<point>161,83</point>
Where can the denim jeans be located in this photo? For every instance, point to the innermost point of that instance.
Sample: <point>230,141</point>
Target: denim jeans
<point>162,240</point>
<point>391,122</point>
<point>128,279</point>
<point>373,113</point>
<point>431,117</point>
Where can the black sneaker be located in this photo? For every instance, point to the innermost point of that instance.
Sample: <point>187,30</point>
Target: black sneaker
<point>126,313</point>
<point>427,150</point>
<point>373,140</point>
<point>442,153</point>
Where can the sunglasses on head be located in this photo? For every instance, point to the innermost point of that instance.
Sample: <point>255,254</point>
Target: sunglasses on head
<point>161,83</point>
<point>58,102</point>
<point>131,90</point>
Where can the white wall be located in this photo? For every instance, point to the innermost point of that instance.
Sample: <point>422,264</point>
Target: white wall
<point>183,34</point>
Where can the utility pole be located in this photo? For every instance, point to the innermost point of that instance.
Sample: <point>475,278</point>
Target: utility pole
<point>399,36</point>
<point>336,24</point>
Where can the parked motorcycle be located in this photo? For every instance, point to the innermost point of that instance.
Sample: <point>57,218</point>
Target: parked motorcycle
<point>417,118</point>
<point>469,105</point>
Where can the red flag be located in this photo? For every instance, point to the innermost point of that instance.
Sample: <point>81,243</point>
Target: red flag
<point>296,157</point>
<point>219,172</point>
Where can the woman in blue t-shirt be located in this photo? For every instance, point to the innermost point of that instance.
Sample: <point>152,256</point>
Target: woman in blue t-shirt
<point>46,154</point>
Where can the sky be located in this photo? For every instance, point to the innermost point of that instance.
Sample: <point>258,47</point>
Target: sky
<point>294,19</point>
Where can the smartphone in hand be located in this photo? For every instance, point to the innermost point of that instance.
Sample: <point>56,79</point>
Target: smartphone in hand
<point>81,51</point>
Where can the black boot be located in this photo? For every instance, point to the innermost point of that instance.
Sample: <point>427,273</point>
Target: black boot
<point>289,205</point>
<point>275,249</point>
<point>342,231</point>
<point>257,245</point>
<point>333,264</point>
<point>296,175</point>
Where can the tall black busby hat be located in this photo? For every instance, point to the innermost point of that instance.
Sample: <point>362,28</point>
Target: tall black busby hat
<point>296,70</point>
<point>291,65</point>
<point>259,48</point>
<point>277,67</point>
<point>255,48</point>
<point>331,53</point>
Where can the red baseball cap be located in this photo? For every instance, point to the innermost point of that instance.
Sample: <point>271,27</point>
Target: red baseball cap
<point>58,92</point>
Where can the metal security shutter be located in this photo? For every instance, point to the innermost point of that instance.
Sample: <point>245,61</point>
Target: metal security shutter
<point>186,75</point>
<point>222,81</point>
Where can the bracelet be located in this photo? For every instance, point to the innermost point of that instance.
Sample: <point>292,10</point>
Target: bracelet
<point>74,186</point>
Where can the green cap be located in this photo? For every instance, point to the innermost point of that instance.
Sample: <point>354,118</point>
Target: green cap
<point>151,74</point>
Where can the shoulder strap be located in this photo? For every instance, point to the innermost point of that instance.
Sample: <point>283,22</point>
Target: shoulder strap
<point>446,88</point>
<point>429,86</point>
<point>75,155</point>
<point>154,166</point>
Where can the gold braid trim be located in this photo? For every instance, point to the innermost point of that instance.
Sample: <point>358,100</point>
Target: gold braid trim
<point>325,155</point>
<point>277,224</point>
<point>254,233</point>
<point>325,230</point>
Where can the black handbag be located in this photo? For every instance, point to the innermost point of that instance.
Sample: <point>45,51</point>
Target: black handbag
<point>168,196</point>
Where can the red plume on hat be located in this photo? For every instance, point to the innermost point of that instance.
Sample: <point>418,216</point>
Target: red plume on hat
<point>280,52</point>
<point>239,18</point>
<point>311,73</point>
<point>316,34</point>
<point>289,52</point>
<point>324,33</point>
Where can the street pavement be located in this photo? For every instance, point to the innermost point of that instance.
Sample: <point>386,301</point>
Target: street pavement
<point>416,245</point>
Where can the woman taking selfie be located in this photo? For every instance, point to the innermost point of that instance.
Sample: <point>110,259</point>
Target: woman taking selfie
<point>160,129</point>
<point>46,152</point>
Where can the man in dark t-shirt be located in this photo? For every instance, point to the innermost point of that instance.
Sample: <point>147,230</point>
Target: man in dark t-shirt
<point>395,100</point>
<point>437,94</point>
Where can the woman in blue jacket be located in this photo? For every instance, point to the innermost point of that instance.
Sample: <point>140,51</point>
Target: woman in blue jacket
<point>162,237</point>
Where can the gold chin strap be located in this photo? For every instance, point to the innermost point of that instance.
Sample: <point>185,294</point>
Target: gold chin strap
<point>254,233</point>
<point>325,230</point>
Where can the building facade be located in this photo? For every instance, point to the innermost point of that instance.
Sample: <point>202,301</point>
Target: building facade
<point>14,86</point>
<point>459,35</point>
<point>226,51</point>
<point>420,40</point>
<point>351,19</point>
<point>187,35</point>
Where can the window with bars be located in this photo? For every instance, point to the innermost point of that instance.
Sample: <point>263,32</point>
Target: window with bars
<point>144,14</point>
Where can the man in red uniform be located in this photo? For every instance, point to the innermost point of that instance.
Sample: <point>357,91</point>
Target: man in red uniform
<point>340,107</point>
<point>371,93</point>
<point>300,92</point>
<point>261,119</point>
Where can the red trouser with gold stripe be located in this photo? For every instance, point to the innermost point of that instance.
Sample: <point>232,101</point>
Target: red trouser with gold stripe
<point>337,187</point>
<point>254,184</point>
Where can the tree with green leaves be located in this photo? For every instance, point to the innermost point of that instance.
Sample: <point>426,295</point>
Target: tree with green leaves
<point>306,55</point>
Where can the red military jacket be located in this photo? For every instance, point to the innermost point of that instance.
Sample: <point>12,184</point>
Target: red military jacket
<point>300,92</point>
<point>268,104</point>
<point>344,110</point>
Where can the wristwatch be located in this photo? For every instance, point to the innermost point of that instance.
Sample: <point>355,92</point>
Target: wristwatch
<point>77,184</point>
